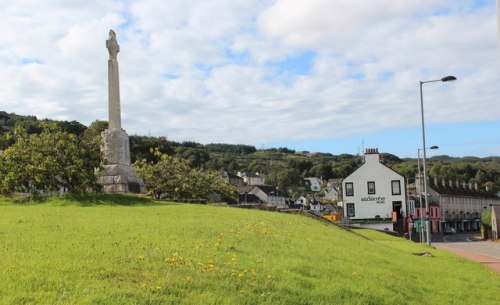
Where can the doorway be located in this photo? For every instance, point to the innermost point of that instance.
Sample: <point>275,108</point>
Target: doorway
<point>397,207</point>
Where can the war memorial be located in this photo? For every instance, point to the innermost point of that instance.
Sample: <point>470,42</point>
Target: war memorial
<point>117,176</point>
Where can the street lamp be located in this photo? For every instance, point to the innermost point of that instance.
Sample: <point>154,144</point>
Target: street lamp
<point>444,79</point>
<point>420,188</point>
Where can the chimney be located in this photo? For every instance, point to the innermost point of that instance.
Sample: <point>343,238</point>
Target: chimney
<point>371,155</point>
<point>371,151</point>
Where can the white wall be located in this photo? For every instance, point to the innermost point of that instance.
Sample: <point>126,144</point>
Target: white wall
<point>366,205</point>
<point>377,226</point>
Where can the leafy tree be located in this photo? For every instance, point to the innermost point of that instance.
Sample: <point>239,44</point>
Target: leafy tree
<point>238,149</point>
<point>48,162</point>
<point>323,170</point>
<point>486,218</point>
<point>172,177</point>
<point>73,127</point>
<point>196,157</point>
<point>94,130</point>
<point>142,147</point>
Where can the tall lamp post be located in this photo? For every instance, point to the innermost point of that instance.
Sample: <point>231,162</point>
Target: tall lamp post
<point>420,189</point>
<point>444,79</point>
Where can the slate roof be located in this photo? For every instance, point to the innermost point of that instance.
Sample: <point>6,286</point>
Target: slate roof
<point>265,188</point>
<point>231,176</point>
<point>460,191</point>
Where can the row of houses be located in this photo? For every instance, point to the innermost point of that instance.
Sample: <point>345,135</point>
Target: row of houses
<point>375,196</point>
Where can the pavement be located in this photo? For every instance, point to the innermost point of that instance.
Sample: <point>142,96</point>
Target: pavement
<point>471,246</point>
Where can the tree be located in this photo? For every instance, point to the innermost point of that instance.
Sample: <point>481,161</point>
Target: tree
<point>142,147</point>
<point>94,130</point>
<point>196,157</point>
<point>48,162</point>
<point>486,223</point>
<point>172,177</point>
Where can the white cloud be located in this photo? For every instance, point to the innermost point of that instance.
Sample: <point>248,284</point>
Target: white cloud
<point>200,70</point>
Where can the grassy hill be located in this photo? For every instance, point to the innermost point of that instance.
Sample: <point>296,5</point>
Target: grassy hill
<point>123,250</point>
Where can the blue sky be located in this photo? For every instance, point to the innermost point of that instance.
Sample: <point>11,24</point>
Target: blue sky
<point>463,139</point>
<point>318,75</point>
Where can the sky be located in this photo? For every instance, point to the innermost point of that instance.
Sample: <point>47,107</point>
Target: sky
<point>332,76</point>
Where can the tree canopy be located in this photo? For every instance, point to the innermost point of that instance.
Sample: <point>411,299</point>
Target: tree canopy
<point>51,161</point>
<point>282,166</point>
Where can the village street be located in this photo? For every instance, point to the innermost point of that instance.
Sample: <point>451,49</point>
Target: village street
<point>472,247</point>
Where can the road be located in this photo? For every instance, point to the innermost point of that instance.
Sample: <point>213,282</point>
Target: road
<point>470,246</point>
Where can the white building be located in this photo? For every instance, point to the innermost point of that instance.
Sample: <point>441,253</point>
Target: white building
<point>333,190</point>
<point>252,178</point>
<point>374,194</point>
<point>314,183</point>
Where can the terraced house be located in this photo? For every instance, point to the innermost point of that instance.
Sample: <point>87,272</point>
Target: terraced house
<point>460,204</point>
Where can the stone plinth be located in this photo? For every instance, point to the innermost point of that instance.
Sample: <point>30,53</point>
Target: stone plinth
<point>117,175</point>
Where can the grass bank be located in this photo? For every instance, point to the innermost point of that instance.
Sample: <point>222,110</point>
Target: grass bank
<point>121,250</point>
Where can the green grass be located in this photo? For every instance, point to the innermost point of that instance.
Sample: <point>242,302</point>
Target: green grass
<point>128,250</point>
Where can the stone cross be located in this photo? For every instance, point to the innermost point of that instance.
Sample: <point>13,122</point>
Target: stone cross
<point>113,82</point>
<point>117,176</point>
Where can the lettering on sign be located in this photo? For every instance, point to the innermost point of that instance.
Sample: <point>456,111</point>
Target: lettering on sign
<point>373,198</point>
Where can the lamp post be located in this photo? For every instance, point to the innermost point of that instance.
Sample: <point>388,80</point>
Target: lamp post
<point>444,79</point>
<point>420,189</point>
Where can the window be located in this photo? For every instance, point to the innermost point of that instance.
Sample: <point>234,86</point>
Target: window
<point>350,210</point>
<point>371,187</point>
<point>349,189</point>
<point>396,187</point>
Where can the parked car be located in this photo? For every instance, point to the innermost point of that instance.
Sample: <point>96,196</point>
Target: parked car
<point>449,231</point>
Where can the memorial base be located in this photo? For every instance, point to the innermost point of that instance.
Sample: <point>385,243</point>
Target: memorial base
<point>117,176</point>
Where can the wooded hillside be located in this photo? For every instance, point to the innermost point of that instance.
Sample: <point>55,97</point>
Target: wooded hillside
<point>282,167</point>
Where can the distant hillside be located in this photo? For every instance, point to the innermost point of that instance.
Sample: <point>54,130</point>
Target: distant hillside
<point>282,167</point>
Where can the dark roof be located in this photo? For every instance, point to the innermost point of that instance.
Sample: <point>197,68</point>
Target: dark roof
<point>230,175</point>
<point>265,188</point>
<point>460,191</point>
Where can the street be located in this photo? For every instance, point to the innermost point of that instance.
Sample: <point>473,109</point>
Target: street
<point>469,243</point>
<point>470,246</point>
